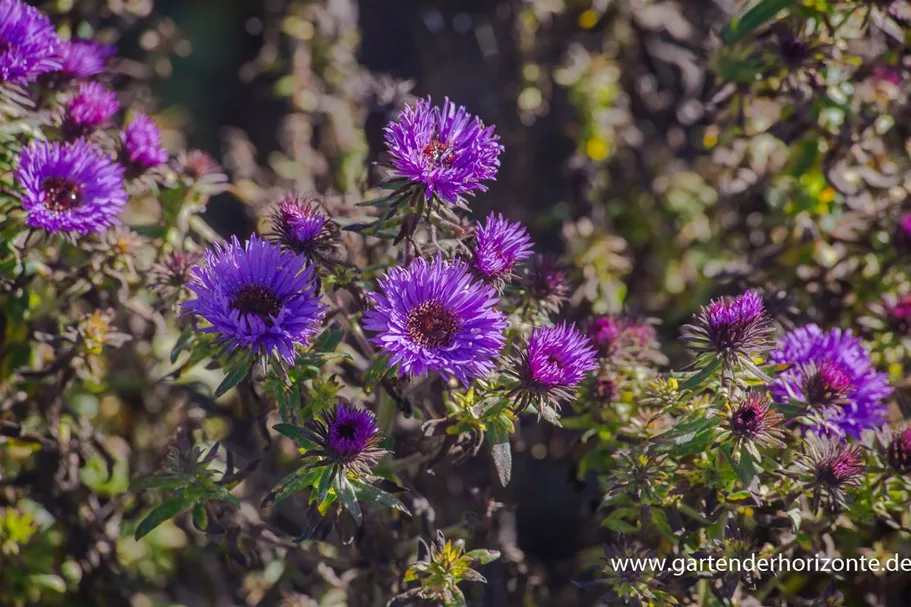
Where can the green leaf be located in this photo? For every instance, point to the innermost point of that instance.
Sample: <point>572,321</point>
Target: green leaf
<point>328,340</point>
<point>302,436</point>
<point>47,581</point>
<point>182,342</point>
<point>166,510</point>
<point>376,372</point>
<point>757,16</point>
<point>235,374</point>
<point>349,498</point>
<point>200,517</point>
<point>700,376</point>
<point>696,433</point>
<point>373,494</point>
<point>483,556</point>
<point>501,452</point>
<point>298,480</point>
<point>457,599</point>
<point>325,483</point>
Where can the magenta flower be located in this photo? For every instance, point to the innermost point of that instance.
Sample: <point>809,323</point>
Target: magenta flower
<point>432,316</point>
<point>91,108</point>
<point>70,187</point>
<point>84,58</point>
<point>29,45</point>
<point>142,143</point>
<point>258,297</point>
<point>501,245</point>
<point>447,151</point>
<point>832,377</point>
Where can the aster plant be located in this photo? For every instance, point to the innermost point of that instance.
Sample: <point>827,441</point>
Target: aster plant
<point>339,451</point>
<point>832,379</point>
<point>256,299</point>
<point>299,225</point>
<point>438,156</point>
<point>30,44</point>
<point>730,332</point>
<point>409,347</point>
<point>70,188</point>
<point>433,316</point>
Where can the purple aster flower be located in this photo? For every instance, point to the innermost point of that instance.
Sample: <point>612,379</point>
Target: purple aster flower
<point>501,245</point>
<point>603,332</point>
<point>345,439</point>
<point>898,451</point>
<point>84,58</point>
<point>301,226</point>
<point>29,45</point>
<point>553,364</point>
<point>831,466</point>
<point>142,143</point>
<point>70,187</point>
<point>258,297</point>
<point>833,377</point>
<point>432,316</point>
<point>92,106</point>
<point>350,431</point>
<point>736,329</point>
<point>447,151</point>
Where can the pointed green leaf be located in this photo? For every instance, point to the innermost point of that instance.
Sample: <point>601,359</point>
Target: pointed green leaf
<point>298,480</point>
<point>501,452</point>
<point>483,556</point>
<point>348,498</point>
<point>373,494</point>
<point>757,16</point>
<point>166,510</point>
<point>302,436</point>
<point>700,376</point>
<point>325,482</point>
<point>182,342</point>
<point>234,374</point>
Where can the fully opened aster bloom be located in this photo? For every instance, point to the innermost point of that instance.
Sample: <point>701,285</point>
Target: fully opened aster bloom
<point>433,316</point>
<point>501,244</point>
<point>29,45</point>
<point>92,106</point>
<point>833,377</point>
<point>257,297</point>
<point>142,143</point>
<point>301,226</point>
<point>553,364</point>
<point>734,329</point>
<point>70,187</point>
<point>447,151</point>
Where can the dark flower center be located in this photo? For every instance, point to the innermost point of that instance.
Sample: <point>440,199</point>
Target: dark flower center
<point>827,385</point>
<point>346,431</point>
<point>430,324</point>
<point>61,195</point>
<point>794,51</point>
<point>438,153</point>
<point>745,421</point>
<point>5,46</point>
<point>257,300</point>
